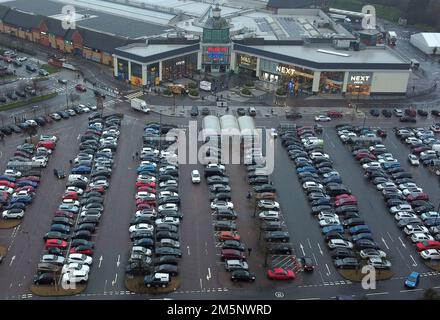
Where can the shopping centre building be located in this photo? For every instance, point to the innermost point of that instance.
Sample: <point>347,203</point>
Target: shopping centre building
<point>301,50</point>
<point>312,67</point>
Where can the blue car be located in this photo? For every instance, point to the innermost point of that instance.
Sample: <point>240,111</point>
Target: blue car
<point>22,199</point>
<point>361,236</point>
<point>359,229</point>
<point>104,155</point>
<point>60,228</point>
<point>24,183</point>
<point>431,222</point>
<point>10,179</point>
<point>389,165</point>
<point>412,280</point>
<point>306,169</point>
<point>333,179</point>
<point>68,207</point>
<point>81,170</point>
<point>154,126</point>
<point>337,228</point>
<point>147,168</point>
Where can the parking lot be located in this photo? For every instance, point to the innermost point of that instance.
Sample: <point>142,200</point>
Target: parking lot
<point>200,265</point>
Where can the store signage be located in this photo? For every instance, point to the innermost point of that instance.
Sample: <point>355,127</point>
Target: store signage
<point>360,78</point>
<point>245,60</point>
<point>218,49</point>
<point>179,63</point>
<point>285,70</point>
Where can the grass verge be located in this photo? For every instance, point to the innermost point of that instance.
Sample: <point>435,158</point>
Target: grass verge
<point>28,101</point>
<point>136,284</point>
<point>357,275</point>
<point>434,265</point>
<point>52,291</point>
<point>10,223</point>
<point>3,251</point>
<point>51,69</point>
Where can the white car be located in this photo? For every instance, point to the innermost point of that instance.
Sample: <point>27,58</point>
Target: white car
<point>418,237</point>
<point>48,138</point>
<point>404,215</point>
<point>322,118</point>
<point>167,168</point>
<point>195,176</point>
<point>22,59</point>
<point>80,258</point>
<point>329,222</point>
<point>31,123</point>
<point>51,258</point>
<point>220,204</point>
<point>111,132</point>
<point>408,191</point>
<point>43,151</point>
<point>372,253</point>
<point>410,229</point>
<point>268,204</point>
<point>168,220</point>
<point>314,155</point>
<point>99,183</point>
<point>168,155</point>
<point>407,185</point>
<point>384,185</point>
<point>168,183</point>
<point>413,160</point>
<point>13,214</point>
<point>141,226</point>
<point>148,163</point>
<point>168,206</point>
<point>79,191</point>
<point>430,254</point>
<point>12,173</point>
<point>430,214</point>
<point>273,133</point>
<point>42,160</point>
<point>149,150</point>
<point>380,146</point>
<point>146,213</point>
<point>373,164</point>
<point>5,189</point>
<point>387,159</point>
<point>163,194</point>
<point>141,250</point>
<point>269,215</point>
<point>339,243</point>
<point>87,213</point>
<point>76,276</point>
<point>21,193</point>
<point>400,208</point>
<point>216,165</point>
<point>327,215</point>
<point>75,266</point>
<point>144,194</point>
<point>71,201</point>
<point>311,184</point>
<point>145,178</point>
<point>428,152</point>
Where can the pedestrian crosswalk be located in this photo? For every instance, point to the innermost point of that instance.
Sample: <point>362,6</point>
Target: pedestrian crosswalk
<point>134,95</point>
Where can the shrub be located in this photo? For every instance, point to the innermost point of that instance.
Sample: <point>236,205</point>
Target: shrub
<point>192,86</point>
<point>249,83</point>
<point>281,92</point>
<point>193,92</point>
<point>167,92</point>
<point>246,92</point>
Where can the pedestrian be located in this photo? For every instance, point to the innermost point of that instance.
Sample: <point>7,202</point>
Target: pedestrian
<point>249,251</point>
<point>133,155</point>
<point>137,155</point>
<point>70,161</point>
<point>249,195</point>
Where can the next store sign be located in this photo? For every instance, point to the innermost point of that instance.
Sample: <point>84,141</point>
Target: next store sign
<point>360,78</point>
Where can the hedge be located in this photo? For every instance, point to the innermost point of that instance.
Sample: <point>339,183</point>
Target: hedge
<point>25,102</point>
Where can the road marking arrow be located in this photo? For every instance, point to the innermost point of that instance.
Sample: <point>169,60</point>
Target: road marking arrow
<point>187,247</point>
<point>415,263</point>
<point>401,241</point>
<point>209,274</point>
<point>12,260</point>
<point>118,262</point>
<point>114,281</point>
<point>383,240</point>
<point>302,249</point>
<point>100,261</point>
<point>328,270</point>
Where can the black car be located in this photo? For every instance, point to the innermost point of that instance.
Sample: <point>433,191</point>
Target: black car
<point>82,234</point>
<point>59,173</point>
<point>408,119</point>
<point>152,281</point>
<point>341,253</point>
<point>374,112</point>
<point>166,227</point>
<point>171,269</point>
<point>81,242</point>
<point>422,112</point>
<point>346,263</point>
<point>144,242</point>
<point>277,236</point>
<point>194,111</point>
<point>242,275</point>
<point>387,113</point>
<point>225,225</point>
<point>241,112</point>
<point>205,111</point>
<point>86,226</point>
<point>335,235</point>
<point>307,264</point>
<point>167,235</point>
<point>44,278</point>
<point>173,260</point>
<point>233,244</point>
<point>366,244</point>
<point>264,188</point>
<point>162,251</point>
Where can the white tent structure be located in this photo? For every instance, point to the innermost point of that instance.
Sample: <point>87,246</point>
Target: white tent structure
<point>229,125</point>
<point>426,42</point>
<point>211,127</point>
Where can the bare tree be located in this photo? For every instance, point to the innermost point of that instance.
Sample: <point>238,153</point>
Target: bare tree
<point>74,97</point>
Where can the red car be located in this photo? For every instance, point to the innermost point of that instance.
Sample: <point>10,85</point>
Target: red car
<point>425,245</point>
<point>147,189</point>
<point>232,254</point>
<point>145,184</point>
<point>55,243</point>
<point>345,196</point>
<point>7,183</point>
<point>346,202</point>
<point>362,155</point>
<point>228,235</point>
<point>334,114</point>
<point>29,189</point>
<point>280,274</point>
<point>8,59</point>
<point>149,202</point>
<point>420,150</point>
<point>70,195</point>
<point>418,196</point>
<point>81,249</point>
<point>47,144</point>
<point>30,178</point>
<point>144,206</point>
<point>80,87</point>
<point>65,214</point>
<point>99,189</point>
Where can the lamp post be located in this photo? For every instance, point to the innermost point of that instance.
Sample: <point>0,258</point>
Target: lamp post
<point>67,97</point>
